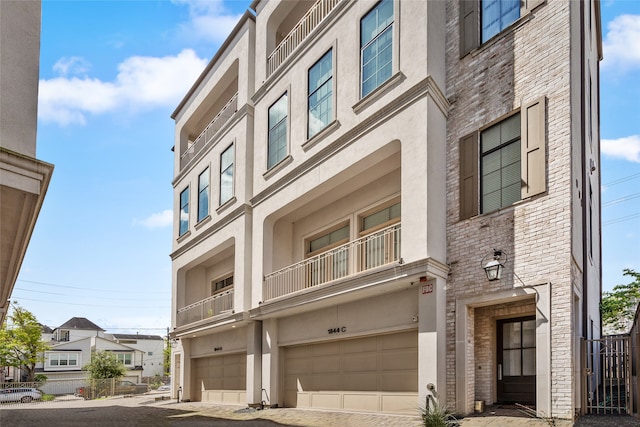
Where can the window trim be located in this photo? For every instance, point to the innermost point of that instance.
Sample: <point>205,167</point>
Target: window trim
<point>374,210</point>
<point>207,171</point>
<point>232,165</point>
<point>118,354</point>
<point>287,129</point>
<point>332,119</point>
<point>533,163</point>
<point>78,359</point>
<point>221,278</point>
<point>500,147</point>
<point>394,45</point>
<point>325,231</point>
<point>180,206</point>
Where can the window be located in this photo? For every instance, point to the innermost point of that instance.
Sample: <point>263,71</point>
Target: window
<point>277,149</point>
<point>320,92</point>
<point>500,164</point>
<point>63,359</point>
<point>480,20</point>
<point>124,358</point>
<point>512,163</point>
<point>328,263</point>
<point>203,195</point>
<point>226,174</point>
<point>498,15</point>
<point>382,244</point>
<point>376,37</point>
<point>221,285</point>
<point>184,211</point>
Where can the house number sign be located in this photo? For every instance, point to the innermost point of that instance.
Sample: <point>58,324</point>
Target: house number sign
<point>337,330</point>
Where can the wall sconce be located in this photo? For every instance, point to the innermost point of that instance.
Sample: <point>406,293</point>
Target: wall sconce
<point>493,268</point>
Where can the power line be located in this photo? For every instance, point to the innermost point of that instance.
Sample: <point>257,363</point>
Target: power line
<point>621,219</point>
<point>86,305</point>
<point>623,179</point>
<point>57,293</point>
<point>621,199</point>
<point>77,287</point>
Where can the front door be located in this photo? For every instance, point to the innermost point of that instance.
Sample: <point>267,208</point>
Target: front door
<point>516,359</point>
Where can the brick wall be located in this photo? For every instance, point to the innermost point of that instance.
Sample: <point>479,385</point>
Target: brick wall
<point>523,63</point>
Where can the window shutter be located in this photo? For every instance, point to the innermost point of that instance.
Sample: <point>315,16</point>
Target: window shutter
<point>469,176</point>
<point>534,153</point>
<point>469,34</point>
<point>529,5</point>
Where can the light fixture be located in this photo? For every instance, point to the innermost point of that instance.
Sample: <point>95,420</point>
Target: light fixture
<point>493,268</point>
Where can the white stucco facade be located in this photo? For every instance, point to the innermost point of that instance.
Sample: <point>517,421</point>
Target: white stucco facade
<point>330,267</point>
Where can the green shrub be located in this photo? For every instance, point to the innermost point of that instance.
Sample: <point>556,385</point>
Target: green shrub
<point>436,415</point>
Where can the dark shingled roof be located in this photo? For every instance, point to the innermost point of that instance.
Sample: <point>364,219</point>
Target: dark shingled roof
<point>80,323</point>
<point>46,329</point>
<point>136,337</point>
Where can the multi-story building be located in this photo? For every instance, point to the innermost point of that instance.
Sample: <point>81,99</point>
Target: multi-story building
<point>344,171</point>
<point>23,178</point>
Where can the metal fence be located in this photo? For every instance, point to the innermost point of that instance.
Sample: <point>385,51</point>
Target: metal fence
<point>607,379</point>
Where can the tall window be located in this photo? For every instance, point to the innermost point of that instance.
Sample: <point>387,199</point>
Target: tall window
<point>320,94</point>
<point>203,195</point>
<point>500,164</point>
<point>184,211</point>
<point>504,163</point>
<point>497,15</point>
<point>329,264</point>
<point>382,244</point>
<point>277,149</point>
<point>226,174</point>
<point>376,37</point>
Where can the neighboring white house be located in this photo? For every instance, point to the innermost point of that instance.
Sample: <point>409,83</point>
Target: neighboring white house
<point>72,343</point>
<point>152,348</point>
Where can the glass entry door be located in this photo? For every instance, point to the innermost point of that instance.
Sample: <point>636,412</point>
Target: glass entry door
<point>516,360</point>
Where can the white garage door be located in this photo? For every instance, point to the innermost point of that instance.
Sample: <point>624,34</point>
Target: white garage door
<point>221,379</point>
<point>377,374</point>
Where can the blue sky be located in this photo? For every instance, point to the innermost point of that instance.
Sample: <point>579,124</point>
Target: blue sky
<point>112,73</point>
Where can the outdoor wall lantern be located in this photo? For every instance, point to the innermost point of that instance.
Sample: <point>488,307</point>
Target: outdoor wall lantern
<point>493,268</point>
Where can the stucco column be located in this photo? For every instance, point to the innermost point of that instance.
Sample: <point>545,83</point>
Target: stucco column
<point>270,362</point>
<point>432,339</point>
<point>254,362</point>
<point>185,369</point>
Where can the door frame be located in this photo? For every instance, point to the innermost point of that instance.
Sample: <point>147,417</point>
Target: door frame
<point>523,380</point>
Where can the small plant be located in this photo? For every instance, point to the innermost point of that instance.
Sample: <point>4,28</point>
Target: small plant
<point>47,397</point>
<point>436,415</point>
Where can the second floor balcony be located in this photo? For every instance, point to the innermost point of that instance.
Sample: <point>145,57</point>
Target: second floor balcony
<point>368,252</point>
<point>305,26</point>
<point>209,132</point>
<point>214,305</point>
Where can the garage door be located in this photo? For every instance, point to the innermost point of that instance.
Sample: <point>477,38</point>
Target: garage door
<point>221,379</point>
<point>376,374</point>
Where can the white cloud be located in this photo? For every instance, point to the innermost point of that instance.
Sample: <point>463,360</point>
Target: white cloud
<point>621,47</point>
<point>627,148</point>
<point>142,82</point>
<point>73,65</point>
<point>208,20</point>
<point>157,220</point>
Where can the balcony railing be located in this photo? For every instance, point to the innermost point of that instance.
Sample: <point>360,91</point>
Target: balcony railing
<point>303,28</point>
<point>208,307</point>
<point>371,251</point>
<point>207,134</point>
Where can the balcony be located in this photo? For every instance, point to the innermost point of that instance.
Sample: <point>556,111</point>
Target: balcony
<point>314,16</point>
<point>193,148</point>
<point>208,307</point>
<point>366,253</point>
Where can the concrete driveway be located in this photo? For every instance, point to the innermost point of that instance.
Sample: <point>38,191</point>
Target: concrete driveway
<point>145,410</point>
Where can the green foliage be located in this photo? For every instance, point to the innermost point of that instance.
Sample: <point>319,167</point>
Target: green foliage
<point>47,397</point>
<point>103,365</point>
<point>21,343</point>
<point>166,362</point>
<point>40,378</point>
<point>618,307</point>
<point>436,415</point>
